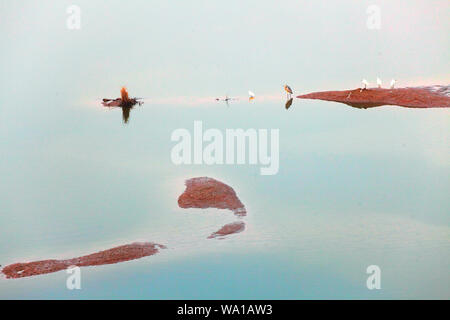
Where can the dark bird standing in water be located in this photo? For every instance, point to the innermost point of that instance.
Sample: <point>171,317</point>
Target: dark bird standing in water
<point>288,90</point>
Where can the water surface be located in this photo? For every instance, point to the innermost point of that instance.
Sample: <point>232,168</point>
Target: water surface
<point>355,187</point>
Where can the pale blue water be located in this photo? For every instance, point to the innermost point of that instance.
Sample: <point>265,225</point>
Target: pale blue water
<point>355,187</point>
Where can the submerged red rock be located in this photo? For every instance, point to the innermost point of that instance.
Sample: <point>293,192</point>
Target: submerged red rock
<point>204,192</point>
<point>419,97</point>
<point>231,228</point>
<point>114,255</point>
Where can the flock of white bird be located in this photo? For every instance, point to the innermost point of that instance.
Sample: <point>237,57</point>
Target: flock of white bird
<point>289,90</point>
<point>366,83</point>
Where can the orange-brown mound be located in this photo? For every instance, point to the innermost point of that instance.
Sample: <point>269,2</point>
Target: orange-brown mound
<point>204,192</point>
<point>114,255</point>
<point>124,94</point>
<point>374,97</point>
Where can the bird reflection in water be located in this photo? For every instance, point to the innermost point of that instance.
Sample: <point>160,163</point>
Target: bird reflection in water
<point>288,103</point>
<point>126,113</point>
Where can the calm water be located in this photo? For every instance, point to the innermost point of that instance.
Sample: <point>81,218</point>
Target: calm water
<point>355,187</point>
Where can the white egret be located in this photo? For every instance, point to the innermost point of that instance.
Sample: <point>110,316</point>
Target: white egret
<point>379,82</point>
<point>392,84</point>
<point>365,84</point>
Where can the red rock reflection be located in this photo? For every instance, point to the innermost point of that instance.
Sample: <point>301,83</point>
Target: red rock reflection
<point>114,255</point>
<point>228,229</point>
<point>204,192</point>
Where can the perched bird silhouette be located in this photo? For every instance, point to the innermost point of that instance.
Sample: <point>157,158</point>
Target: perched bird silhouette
<point>288,89</point>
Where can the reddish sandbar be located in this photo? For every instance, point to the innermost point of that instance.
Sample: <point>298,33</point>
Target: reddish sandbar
<point>114,255</point>
<point>204,192</point>
<point>420,97</point>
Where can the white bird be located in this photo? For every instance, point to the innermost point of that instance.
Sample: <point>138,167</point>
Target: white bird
<point>392,83</point>
<point>365,83</point>
<point>251,95</point>
<point>379,82</point>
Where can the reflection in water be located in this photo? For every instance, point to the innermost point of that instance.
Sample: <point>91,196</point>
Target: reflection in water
<point>126,113</point>
<point>289,103</point>
<point>231,228</point>
<point>122,253</point>
<point>363,105</point>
